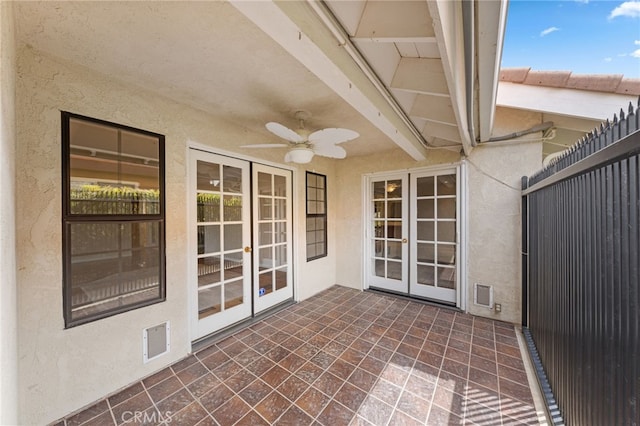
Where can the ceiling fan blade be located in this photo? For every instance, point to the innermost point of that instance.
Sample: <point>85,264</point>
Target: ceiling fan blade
<point>266,145</point>
<point>332,135</point>
<point>329,150</point>
<point>284,132</point>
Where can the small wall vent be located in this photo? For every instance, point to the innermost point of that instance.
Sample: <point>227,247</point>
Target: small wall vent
<point>155,341</point>
<point>483,295</point>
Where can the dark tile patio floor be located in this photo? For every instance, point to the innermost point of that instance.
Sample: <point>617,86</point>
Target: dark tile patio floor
<point>342,357</point>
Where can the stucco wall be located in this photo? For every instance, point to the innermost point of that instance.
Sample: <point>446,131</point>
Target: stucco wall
<point>8,298</point>
<point>494,234</point>
<point>63,370</point>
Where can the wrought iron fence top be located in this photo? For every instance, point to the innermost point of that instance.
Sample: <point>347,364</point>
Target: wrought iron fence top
<point>600,137</point>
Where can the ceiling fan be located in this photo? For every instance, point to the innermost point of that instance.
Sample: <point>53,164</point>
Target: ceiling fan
<point>303,144</point>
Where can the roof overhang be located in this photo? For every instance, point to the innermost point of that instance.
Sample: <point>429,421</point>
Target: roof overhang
<point>423,72</point>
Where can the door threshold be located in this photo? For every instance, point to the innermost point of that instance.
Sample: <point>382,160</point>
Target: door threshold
<point>423,300</point>
<point>217,336</point>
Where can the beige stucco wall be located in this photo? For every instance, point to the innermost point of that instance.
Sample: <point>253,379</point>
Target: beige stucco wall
<point>495,226</point>
<point>63,370</point>
<point>8,291</point>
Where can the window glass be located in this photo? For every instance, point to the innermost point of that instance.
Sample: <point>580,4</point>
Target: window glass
<point>113,218</point>
<point>316,216</point>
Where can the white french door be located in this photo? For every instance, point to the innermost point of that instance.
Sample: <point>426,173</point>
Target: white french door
<point>272,268</point>
<point>231,276</point>
<point>414,233</point>
<point>221,266</point>
<point>388,230</point>
<point>435,211</point>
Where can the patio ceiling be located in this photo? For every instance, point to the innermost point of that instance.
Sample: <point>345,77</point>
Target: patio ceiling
<point>396,72</point>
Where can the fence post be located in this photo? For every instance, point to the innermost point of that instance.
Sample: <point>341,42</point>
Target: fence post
<point>525,254</point>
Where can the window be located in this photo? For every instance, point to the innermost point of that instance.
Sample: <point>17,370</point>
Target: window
<point>316,216</point>
<point>113,218</point>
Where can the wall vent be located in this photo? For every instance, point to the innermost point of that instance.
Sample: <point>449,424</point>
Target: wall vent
<point>483,295</point>
<point>155,341</point>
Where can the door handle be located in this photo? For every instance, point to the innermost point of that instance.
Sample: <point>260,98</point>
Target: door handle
<point>247,249</point>
<point>405,241</point>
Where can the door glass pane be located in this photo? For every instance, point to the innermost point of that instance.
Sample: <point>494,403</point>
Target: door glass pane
<point>208,207</point>
<point>379,268</point>
<point>394,250</point>
<point>394,189</point>
<point>378,229</point>
<point>447,232</point>
<point>281,278</point>
<point>424,230</point>
<point>232,208</point>
<point>447,277</point>
<point>233,266</point>
<point>264,210</point>
<point>232,178</point>
<point>447,185</point>
<point>446,254</point>
<point>378,210</point>
<point>280,209</point>
<point>265,285</point>
<point>209,270</point>
<point>394,270</point>
<point>394,209</point>
<point>232,294</point>
<point>266,258</point>
<point>232,237</point>
<point>379,190</point>
<point>425,209</point>
<point>209,301</point>
<point>265,233</point>
<point>426,275</point>
<point>425,186</point>
<point>264,184</point>
<point>208,178</point>
<point>280,233</point>
<point>280,255</point>
<point>446,208</point>
<point>394,229</point>
<point>426,252</point>
<point>208,239</point>
<point>279,186</point>
<point>379,248</point>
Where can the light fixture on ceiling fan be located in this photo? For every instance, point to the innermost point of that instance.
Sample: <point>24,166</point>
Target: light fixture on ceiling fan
<point>303,144</point>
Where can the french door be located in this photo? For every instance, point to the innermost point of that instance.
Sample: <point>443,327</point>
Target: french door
<point>231,276</point>
<point>389,228</point>
<point>414,229</point>
<point>272,236</point>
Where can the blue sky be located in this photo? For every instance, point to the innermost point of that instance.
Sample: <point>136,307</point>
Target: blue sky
<point>582,36</point>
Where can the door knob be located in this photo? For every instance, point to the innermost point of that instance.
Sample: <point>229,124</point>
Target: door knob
<point>404,241</point>
<point>247,249</point>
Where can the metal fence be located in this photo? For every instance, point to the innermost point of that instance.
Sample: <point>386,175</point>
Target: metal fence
<point>581,291</point>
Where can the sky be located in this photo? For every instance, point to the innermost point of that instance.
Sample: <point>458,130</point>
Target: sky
<point>582,36</point>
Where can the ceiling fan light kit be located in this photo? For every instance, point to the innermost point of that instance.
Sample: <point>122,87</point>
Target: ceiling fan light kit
<point>303,145</point>
<point>299,155</point>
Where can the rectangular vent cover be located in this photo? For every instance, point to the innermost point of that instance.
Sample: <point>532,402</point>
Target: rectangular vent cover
<point>483,295</point>
<point>155,341</point>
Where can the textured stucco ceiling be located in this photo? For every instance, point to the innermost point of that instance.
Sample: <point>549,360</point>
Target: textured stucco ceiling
<point>204,54</point>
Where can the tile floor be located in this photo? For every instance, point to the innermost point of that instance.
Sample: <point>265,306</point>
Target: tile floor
<point>343,357</point>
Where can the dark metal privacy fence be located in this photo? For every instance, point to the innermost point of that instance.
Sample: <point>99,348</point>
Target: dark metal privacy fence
<point>581,291</point>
